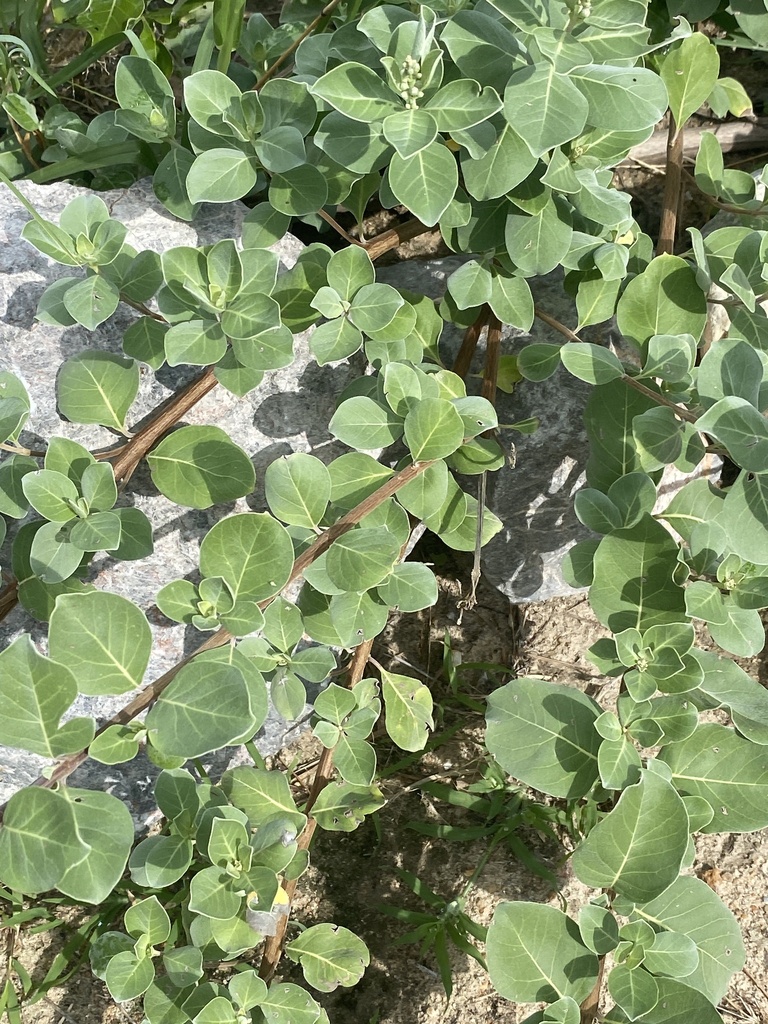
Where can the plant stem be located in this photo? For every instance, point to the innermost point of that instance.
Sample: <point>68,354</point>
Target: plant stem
<point>392,237</point>
<point>671,200</point>
<point>728,207</point>
<point>631,382</point>
<point>323,215</point>
<point>469,342</point>
<point>64,768</point>
<point>256,757</point>
<point>590,1008</point>
<point>176,408</point>
<point>323,772</point>
<point>277,64</point>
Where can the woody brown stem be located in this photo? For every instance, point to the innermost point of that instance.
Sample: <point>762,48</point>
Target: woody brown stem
<point>590,1008</point>
<point>671,201</point>
<point>469,342</point>
<point>178,406</point>
<point>492,357</point>
<point>392,237</point>
<point>273,947</point>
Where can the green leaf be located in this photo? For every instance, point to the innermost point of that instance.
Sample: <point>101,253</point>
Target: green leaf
<point>620,98</point>
<point>357,92</point>
<point>461,104</point>
<point>355,760</point>
<point>374,307</point>
<point>198,342</point>
<point>741,428</point>
<point>329,956</point>
<point>361,422</point>
<point>13,470</point>
<point>689,72</point>
<point>672,955</point>
<point>470,285</point>
<point>545,108</point>
<point>39,841</point>
<point>512,303</point>
<point>288,1004</point>
<point>148,917</point>
<point>51,494</point>
<point>537,242</point>
<point>638,848</point>
<point>433,429</point>
<point>141,86</point>
<point>727,771</point>
<point>538,362</point>
<point>97,387</point>
<point>183,965</point>
<point>535,953</point>
<point>169,183</point>
<point>408,707</point>
<point>98,486</point>
<point>127,976</point>
<point>298,192</point>
<point>53,557</point>
<point>362,558</point>
<point>658,436</point>
<point>100,531</point>
<point>214,101</point>
<point>298,489</point>
<point>251,551</point>
<point>36,692</point>
<point>51,241</point>
<point>117,744</point>
<point>633,578</point>
<point>341,807</point>
<point>664,299</point>
<point>135,535</point>
<point>678,1004</point>
<point>619,763</point>
<point>282,624</point>
<point>599,929</point>
<point>145,340</point>
<point>14,405</point>
<point>410,131</point>
<point>690,908</point>
<point>335,703</point>
<point>544,735</point>
<point>635,990</point>
<point>425,182</point>
<point>104,639</point>
<point>508,162</point>
<point>261,795</point>
<point>206,707</point>
<point>92,301</point>
<point>410,587</point>
<point>200,467</point>
<point>592,363</point>
<point>221,176</point>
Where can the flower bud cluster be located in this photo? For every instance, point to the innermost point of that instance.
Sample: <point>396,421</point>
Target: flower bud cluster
<point>408,85</point>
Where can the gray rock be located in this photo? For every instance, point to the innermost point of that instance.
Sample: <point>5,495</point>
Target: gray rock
<point>534,497</point>
<point>290,411</point>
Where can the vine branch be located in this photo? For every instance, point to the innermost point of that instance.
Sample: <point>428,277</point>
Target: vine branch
<point>278,63</point>
<point>631,382</point>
